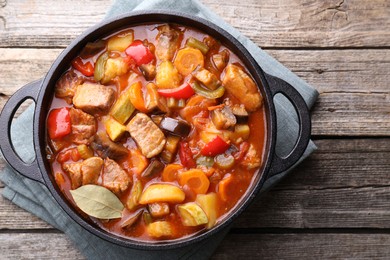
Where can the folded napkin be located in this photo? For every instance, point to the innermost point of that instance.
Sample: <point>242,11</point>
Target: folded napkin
<point>35,197</point>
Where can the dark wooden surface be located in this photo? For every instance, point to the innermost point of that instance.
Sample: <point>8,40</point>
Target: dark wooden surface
<point>335,205</point>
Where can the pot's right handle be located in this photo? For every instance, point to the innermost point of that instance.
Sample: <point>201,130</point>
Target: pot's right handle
<point>29,170</point>
<point>281,164</point>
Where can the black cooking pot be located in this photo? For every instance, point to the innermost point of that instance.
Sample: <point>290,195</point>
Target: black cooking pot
<point>41,92</point>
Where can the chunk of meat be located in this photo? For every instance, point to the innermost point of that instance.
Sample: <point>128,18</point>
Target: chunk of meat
<point>252,158</point>
<point>83,126</point>
<point>86,172</point>
<point>148,136</point>
<point>168,41</point>
<point>107,148</point>
<point>241,86</point>
<point>66,86</point>
<point>114,177</point>
<point>94,98</point>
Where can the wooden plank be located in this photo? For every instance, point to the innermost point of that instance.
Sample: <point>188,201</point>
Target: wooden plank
<point>304,246</point>
<point>234,246</point>
<point>13,217</point>
<point>37,246</point>
<point>354,91</point>
<point>274,23</point>
<point>343,163</point>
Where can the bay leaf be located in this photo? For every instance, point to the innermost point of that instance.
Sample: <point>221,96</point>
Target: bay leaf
<point>98,201</point>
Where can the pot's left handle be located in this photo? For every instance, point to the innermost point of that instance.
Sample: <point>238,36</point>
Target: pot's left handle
<point>29,170</point>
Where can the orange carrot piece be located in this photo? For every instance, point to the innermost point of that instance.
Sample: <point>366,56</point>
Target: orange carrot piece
<point>136,97</point>
<point>138,161</point>
<point>223,187</point>
<point>196,180</point>
<point>170,172</point>
<point>188,59</point>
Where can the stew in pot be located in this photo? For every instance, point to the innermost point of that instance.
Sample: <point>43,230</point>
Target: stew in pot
<point>155,132</point>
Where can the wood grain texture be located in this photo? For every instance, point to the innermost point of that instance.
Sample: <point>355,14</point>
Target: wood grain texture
<point>294,23</point>
<point>234,246</point>
<point>354,89</point>
<point>37,246</point>
<point>304,246</point>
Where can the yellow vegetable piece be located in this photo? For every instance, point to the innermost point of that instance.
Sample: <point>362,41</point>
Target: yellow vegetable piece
<point>114,129</point>
<point>162,193</point>
<point>208,202</point>
<point>123,108</point>
<point>84,151</point>
<point>114,67</point>
<point>167,75</point>
<point>159,229</point>
<point>192,214</point>
<point>188,59</point>
<point>121,41</point>
<point>133,200</point>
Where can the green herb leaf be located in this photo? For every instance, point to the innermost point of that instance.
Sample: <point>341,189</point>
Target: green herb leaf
<point>98,202</point>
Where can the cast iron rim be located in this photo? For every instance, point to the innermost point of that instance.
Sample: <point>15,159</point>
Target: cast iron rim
<point>109,26</point>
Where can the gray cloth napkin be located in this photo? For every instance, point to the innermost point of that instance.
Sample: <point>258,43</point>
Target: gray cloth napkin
<point>35,197</point>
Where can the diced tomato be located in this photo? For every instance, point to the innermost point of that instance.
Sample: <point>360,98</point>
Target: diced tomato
<point>184,91</point>
<point>185,155</point>
<point>58,123</point>
<point>86,68</point>
<point>139,52</point>
<point>68,155</point>
<point>214,147</point>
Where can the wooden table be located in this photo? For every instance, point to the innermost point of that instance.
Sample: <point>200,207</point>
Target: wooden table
<point>334,205</point>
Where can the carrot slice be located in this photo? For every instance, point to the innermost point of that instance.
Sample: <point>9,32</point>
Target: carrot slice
<point>223,187</point>
<point>170,172</point>
<point>188,59</point>
<point>196,180</point>
<point>138,161</point>
<point>136,97</point>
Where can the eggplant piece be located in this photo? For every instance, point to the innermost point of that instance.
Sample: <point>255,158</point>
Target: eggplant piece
<point>131,219</point>
<point>170,148</point>
<point>240,112</point>
<point>154,167</point>
<point>156,119</point>
<point>223,118</point>
<point>108,148</point>
<point>175,126</point>
<point>148,70</point>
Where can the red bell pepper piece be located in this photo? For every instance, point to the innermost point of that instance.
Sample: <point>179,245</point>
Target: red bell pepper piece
<point>184,91</point>
<point>86,68</point>
<point>185,155</point>
<point>139,52</point>
<point>58,123</point>
<point>215,147</point>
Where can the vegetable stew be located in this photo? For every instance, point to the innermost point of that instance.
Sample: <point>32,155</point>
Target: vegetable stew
<point>156,132</point>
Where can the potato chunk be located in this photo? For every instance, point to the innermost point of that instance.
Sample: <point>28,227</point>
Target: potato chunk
<point>159,229</point>
<point>167,75</point>
<point>162,193</point>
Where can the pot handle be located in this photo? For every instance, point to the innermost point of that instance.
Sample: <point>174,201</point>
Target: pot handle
<point>29,170</point>
<point>281,164</point>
